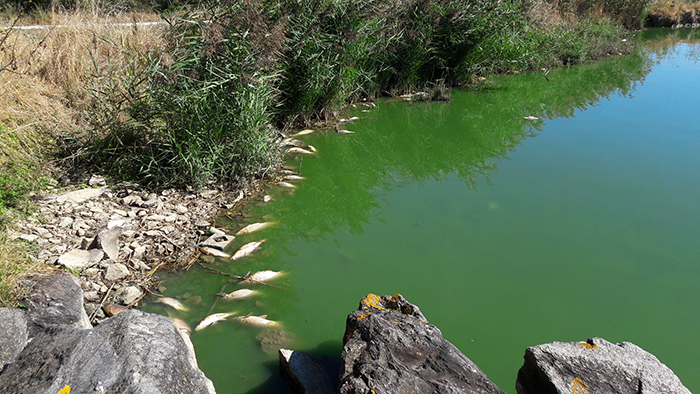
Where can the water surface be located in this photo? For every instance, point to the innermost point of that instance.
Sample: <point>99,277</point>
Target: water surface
<point>506,232</point>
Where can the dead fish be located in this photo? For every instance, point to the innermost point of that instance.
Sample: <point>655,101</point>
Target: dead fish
<point>311,148</point>
<point>267,198</point>
<point>257,321</point>
<point>113,309</point>
<point>172,303</point>
<point>292,142</point>
<point>239,198</point>
<point>213,252</point>
<point>253,227</point>
<point>342,131</point>
<point>211,319</point>
<point>181,325</point>
<point>531,118</point>
<point>303,132</point>
<point>262,276</point>
<point>293,177</point>
<point>300,151</point>
<point>287,185</point>
<point>238,294</point>
<point>247,249</point>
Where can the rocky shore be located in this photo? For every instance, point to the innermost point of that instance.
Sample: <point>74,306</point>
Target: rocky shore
<point>114,239</point>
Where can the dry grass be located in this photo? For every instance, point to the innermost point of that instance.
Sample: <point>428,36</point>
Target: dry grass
<point>45,82</point>
<point>674,12</point>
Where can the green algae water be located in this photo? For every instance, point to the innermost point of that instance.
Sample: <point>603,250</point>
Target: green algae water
<point>507,232</point>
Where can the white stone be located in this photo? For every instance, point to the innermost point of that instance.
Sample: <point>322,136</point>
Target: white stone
<point>79,195</point>
<point>116,271</point>
<point>127,295</point>
<point>79,259</point>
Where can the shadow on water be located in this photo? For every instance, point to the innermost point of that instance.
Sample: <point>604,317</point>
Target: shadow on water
<point>328,356</point>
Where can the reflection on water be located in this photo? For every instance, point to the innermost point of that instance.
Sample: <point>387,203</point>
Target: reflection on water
<point>504,241</point>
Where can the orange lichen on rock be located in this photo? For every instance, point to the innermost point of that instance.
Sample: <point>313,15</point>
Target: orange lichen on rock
<point>589,344</point>
<point>363,316</point>
<point>578,387</point>
<point>371,301</point>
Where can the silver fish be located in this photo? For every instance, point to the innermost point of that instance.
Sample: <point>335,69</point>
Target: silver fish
<point>213,252</point>
<point>172,303</point>
<point>262,276</point>
<point>257,321</point>
<point>531,118</point>
<point>211,319</point>
<point>311,148</point>
<point>342,131</point>
<point>287,185</point>
<point>239,294</point>
<point>181,325</point>
<point>300,151</point>
<point>253,227</point>
<point>293,177</point>
<point>303,132</point>
<point>247,249</point>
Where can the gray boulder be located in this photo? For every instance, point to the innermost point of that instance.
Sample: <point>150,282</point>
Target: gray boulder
<point>390,347</point>
<point>51,345</point>
<point>595,366</point>
<point>54,300</point>
<point>13,334</point>
<point>132,352</point>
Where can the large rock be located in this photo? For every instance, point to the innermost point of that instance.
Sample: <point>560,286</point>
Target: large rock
<point>132,352</point>
<point>51,345</point>
<point>389,347</point>
<point>595,366</point>
<point>52,300</point>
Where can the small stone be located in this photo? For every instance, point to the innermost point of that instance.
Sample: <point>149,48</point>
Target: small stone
<point>44,254</point>
<point>28,237</point>
<point>91,272</point>
<point>127,295</point>
<point>131,214</point>
<point>153,233</point>
<point>128,233</point>
<point>43,233</point>
<point>150,203</point>
<point>116,223</point>
<point>59,249</point>
<point>132,200</point>
<point>168,229</point>
<point>116,271</point>
<point>267,198</point>
<point>170,218</point>
<point>79,259</point>
<point>97,180</point>
<point>91,296</point>
<point>180,209</point>
<point>139,251</point>
<point>56,241</point>
<point>142,213</point>
<point>66,222</point>
<point>202,224</point>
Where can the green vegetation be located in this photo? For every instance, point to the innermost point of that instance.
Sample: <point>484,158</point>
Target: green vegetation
<point>200,100</point>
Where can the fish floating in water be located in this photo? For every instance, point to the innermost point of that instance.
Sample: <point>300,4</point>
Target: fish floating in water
<point>262,276</point>
<point>303,132</point>
<point>172,303</point>
<point>301,151</point>
<point>287,185</point>
<point>257,321</point>
<point>238,295</point>
<point>213,252</point>
<point>293,177</point>
<point>247,249</point>
<point>254,227</point>
<point>343,131</point>
<point>531,118</point>
<point>211,319</point>
<point>182,326</point>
